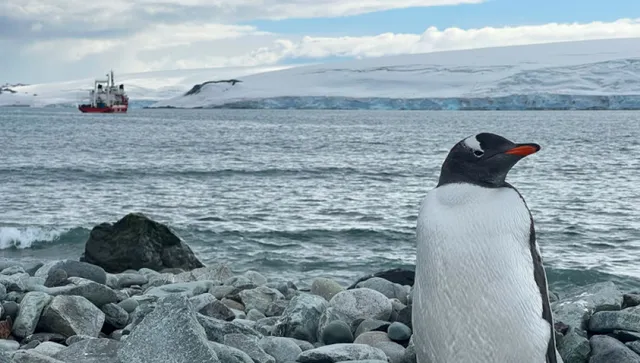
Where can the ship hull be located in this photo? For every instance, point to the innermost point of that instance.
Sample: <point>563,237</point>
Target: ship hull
<point>107,109</point>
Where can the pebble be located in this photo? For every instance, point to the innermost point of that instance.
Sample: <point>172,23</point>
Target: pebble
<point>337,332</point>
<point>399,332</point>
<point>75,312</point>
<point>326,288</point>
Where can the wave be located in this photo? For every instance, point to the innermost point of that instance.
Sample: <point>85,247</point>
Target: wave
<point>75,173</point>
<point>34,237</point>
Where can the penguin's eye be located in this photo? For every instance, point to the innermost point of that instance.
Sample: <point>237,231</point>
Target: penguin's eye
<point>478,153</point>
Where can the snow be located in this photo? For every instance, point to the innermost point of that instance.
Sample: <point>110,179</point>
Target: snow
<point>586,74</point>
<point>143,88</point>
<point>594,74</point>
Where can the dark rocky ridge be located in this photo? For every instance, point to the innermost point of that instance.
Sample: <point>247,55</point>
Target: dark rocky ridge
<point>198,87</point>
<point>76,312</point>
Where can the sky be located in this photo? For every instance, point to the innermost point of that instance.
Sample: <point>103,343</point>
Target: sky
<point>56,40</point>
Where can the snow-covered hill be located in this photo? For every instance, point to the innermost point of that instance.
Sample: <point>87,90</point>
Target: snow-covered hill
<point>595,74</point>
<point>143,88</point>
<point>600,74</point>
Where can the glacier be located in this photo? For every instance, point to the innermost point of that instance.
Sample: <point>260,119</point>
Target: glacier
<point>578,75</point>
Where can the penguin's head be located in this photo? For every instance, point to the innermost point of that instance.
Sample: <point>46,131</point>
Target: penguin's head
<point>484,159</point>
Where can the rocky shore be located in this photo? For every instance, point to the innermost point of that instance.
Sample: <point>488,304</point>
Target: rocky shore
<point>139,294</point>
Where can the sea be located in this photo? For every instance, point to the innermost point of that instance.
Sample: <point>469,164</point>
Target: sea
<point>300,194</point>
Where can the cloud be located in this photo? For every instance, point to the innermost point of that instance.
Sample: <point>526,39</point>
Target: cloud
<point>43,50</point>
<point>98,14</point>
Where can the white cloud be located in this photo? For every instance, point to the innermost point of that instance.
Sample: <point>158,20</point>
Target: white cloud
<point>121,12</point>
<point>197,43</point>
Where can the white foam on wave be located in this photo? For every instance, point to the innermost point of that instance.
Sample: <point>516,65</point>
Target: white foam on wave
<point>26,237</point>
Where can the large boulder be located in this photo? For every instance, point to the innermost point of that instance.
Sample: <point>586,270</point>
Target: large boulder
<point>136,242</point>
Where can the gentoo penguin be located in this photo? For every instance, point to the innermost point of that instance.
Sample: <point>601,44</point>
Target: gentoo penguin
<point>480,292</point>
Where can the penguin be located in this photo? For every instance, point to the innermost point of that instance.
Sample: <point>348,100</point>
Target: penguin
<point>480,290</point>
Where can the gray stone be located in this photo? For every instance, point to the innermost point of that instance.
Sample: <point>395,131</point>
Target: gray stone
<point>326,288</point>
<point>115,316</point>
<point>188,289</point>
<point>216,272</point>
<point>216,329</point>
<point>20,282</point>
<point>276,308</point>
<point>239,314</point>
<point>16,269</point>
<point>630,300</point>
<point>387,288</point>
<point>220,292</point>
<point>232,304</point>
<point>405,316</point>
<point>74,269</point>
<point>136,242</point>
<point>99,350</point>
<point>399,332</point>
<point>117,334</point>
<point>71,315</point>
<point>98,294</point>
<point>282,349</point>
<point>10,308</point>
<point>372,338</point>
<point>216,309</point>
<point>230,354</point>
<point>55,278</point>
<point>577,305</point>
<point>341,352</point>
<point>393,350</point>
<point>239,281</point>
<point>635,346</point>
<point>129,305</point>
<point>255,277</point>
<point>260,298</point>
<point>360,303</point>
<point>78,338</point>
<point>304,345</point>
<point>573,347</point>
<point>170,333</point>
<point>7,345</point>
<point>125,279</point>
<point>300,319</point>
<point>30,345</point>
<point>410,354</point>
<point>605,349</point>
<point>255,315</point>
<point>337,332</point>
<point>249,345</point>
<point>44,337</point>
<point>49,348</point>
<point>607,321</point>
<point>3,292</point>
<point>200,301</point>
<point>265,326</point>
<point>31,356</point>
<point>248,323</point>
<point>29,313</point>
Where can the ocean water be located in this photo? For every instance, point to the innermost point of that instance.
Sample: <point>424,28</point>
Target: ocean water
<point>301,194</point>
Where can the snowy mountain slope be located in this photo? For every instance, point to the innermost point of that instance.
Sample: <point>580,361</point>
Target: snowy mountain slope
<point>595,74</point>
<point>608,68</point>
<point>147,86</point>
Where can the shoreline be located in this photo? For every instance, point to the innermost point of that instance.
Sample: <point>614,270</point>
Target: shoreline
<point>101,310</point>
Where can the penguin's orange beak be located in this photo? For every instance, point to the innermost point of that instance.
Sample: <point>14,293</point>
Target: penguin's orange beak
<point>523,149</point>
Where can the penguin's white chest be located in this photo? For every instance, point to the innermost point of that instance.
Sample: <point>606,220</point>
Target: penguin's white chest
<point>475,298</point>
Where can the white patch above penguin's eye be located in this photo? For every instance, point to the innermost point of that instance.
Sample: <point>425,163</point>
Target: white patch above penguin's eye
<point>473,144</point>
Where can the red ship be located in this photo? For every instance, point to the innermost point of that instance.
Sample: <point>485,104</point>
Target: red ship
<point>106,97</point>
